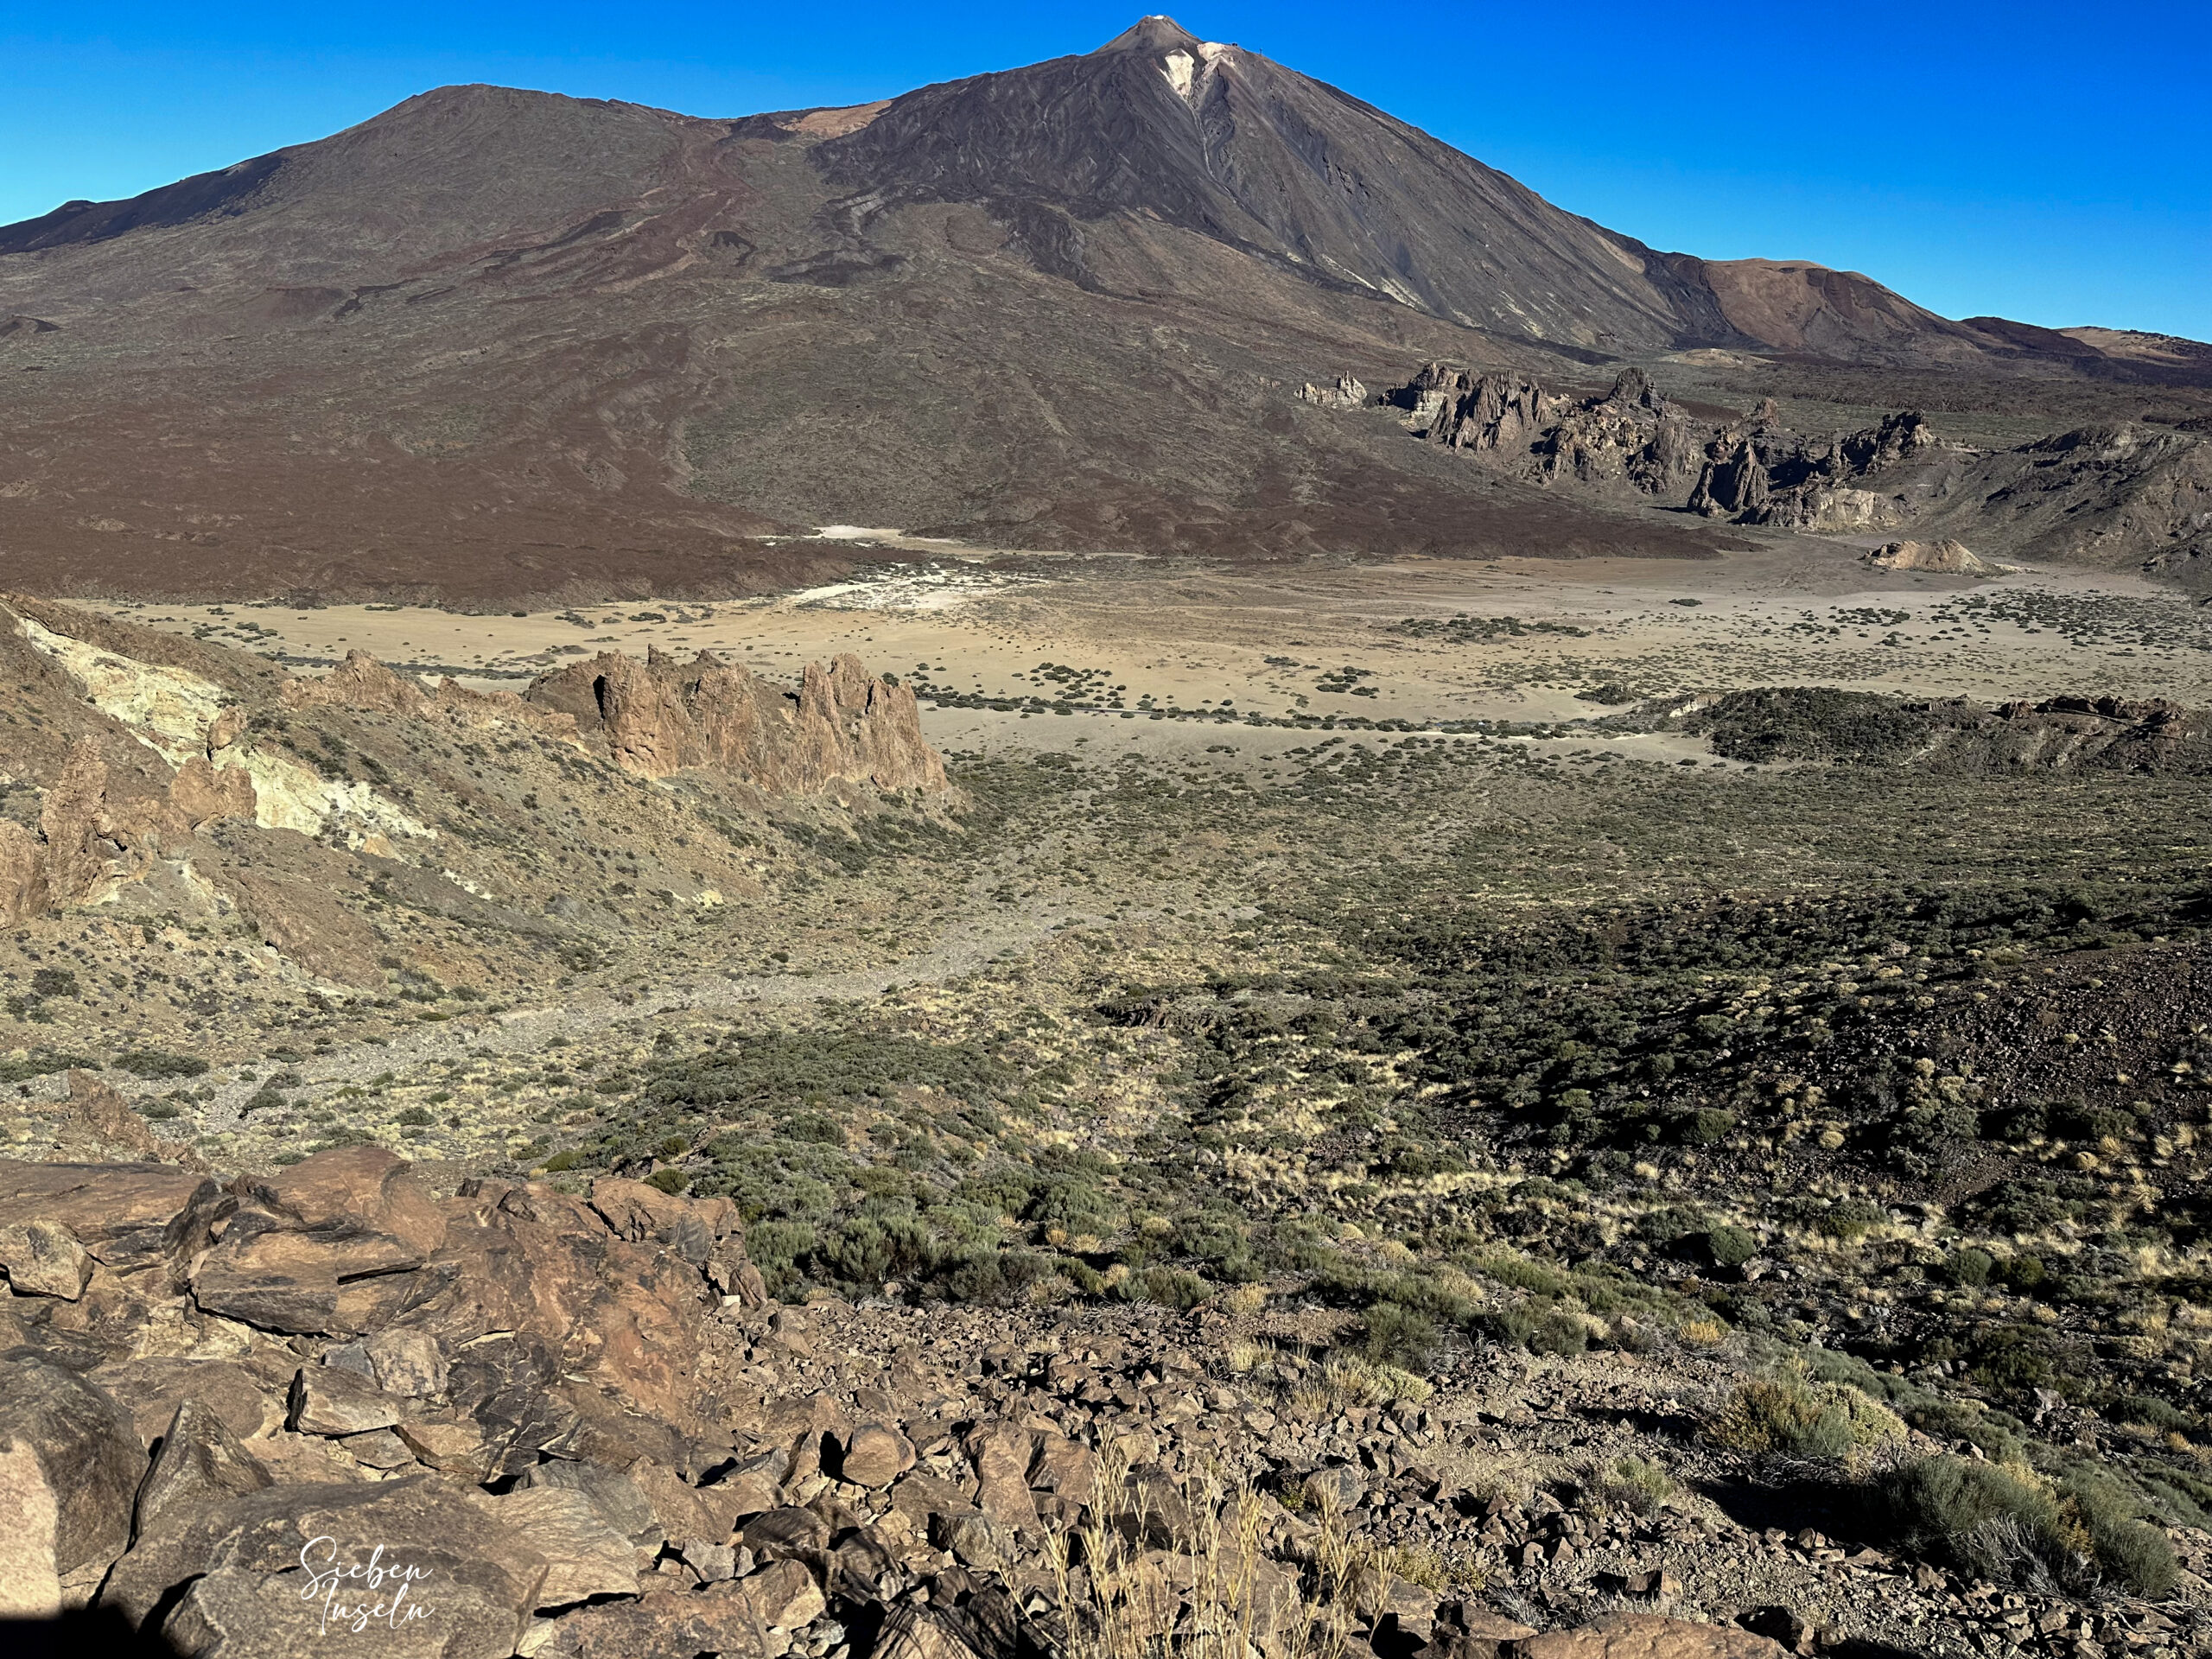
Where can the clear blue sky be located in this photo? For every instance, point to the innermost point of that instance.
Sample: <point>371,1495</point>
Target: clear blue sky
<point>2048,163</point>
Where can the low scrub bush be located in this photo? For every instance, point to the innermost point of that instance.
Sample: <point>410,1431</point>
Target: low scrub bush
<point>1789,1415</point>
<point>1399,1336</point>
<point>2006,1524</point>
<point>153,1065</point>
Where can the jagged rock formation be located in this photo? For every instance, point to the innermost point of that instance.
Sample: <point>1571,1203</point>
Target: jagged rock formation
<point>1630,435</point>
<point>1767,476</point>
<point>2105,496</point>
<point>87,846</point>
<point>1753,473</point>
<point>575,1426</point>
<point>841,726</point>
<point>367,686</point>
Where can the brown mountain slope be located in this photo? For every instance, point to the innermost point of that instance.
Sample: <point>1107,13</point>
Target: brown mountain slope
<point>497,347</point>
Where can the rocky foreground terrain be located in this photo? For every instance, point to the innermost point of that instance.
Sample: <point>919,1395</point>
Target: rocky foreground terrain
<point>247,1414</point>
<point>1364,1183</point>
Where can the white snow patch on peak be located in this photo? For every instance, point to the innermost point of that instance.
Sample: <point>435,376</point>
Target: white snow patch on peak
<point>1177,68</point>
<point>1211,49</point>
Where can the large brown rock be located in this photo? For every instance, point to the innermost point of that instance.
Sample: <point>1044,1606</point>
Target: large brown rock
<point>152,1389</point>
<point>328,1247</point>
<point>43,1258</point>
<point>875,1455</point>
<point>200,1464</point>
<point>585,1556</point>
<point>619,1499</point>
<point>99,1123</point>
<point>366,686</point>
<point>1002,1454</point>
<point>202,791</point>
<point>264,1571</point>
<point>624,1318</point>
<point>85,859</point>
<point>121,1213</point>
<point>22,874</point>
<point>328,1401</point>
<point>361,683</point>
<point>70,1465</point>
<point>663,1624</point>
<point>784,1595</point>
<point>1644,1636</point>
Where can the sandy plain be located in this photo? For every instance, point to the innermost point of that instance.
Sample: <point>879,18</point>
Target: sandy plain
<point>1417,640</point>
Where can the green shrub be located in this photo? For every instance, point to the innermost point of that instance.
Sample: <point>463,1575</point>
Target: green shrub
<point>1789,1415</point>
<point>671,1181</point>
<point>1635,1484</point>
<point>1560,1331</point>
<point>2137,1556</point>
<point>776,1244</point>
<point>2003,1525</point>
<point>1524,1275</point>
<point>1170,1287</point>
<point>1852,1219</point>
<point>54,982</point>
<point>416,1117</point>
<point>268,1098</point>
<point>2022,1272</point>
<point>2147,1408</point>
<point>1730,1247</point>
<point>1398,1335</point>
<point>1986,1520</point>
<point>1970,1267</point>
<point>1704,1126</point>
<point>998,1277</point>
<point>152,1063</point>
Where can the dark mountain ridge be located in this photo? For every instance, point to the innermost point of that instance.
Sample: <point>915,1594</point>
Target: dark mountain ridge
<point>495,345</point>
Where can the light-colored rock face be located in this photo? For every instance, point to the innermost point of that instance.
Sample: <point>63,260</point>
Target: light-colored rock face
<point>167,709</point>
<point>1943,558</point>
<point>659,717</point>
<point>201,729</point>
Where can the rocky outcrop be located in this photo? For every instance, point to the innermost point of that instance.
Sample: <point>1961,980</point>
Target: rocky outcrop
<point>1344,392</point>
<point>202,792</point>
<point>242,1418</point>
<point>86,847</point>
<point>22,873</point>
<point>843,725</point>
<point>99,1123</point>
<point>364,685</point>
<point>69,1467</point>
<point>2104,496</point>
<point>1631,434</point>
<point>1634,438</point>
<point>1770,476</point>
<point>1947,558</point>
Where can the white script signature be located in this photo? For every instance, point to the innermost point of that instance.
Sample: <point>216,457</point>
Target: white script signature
<point>358,1593</point>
